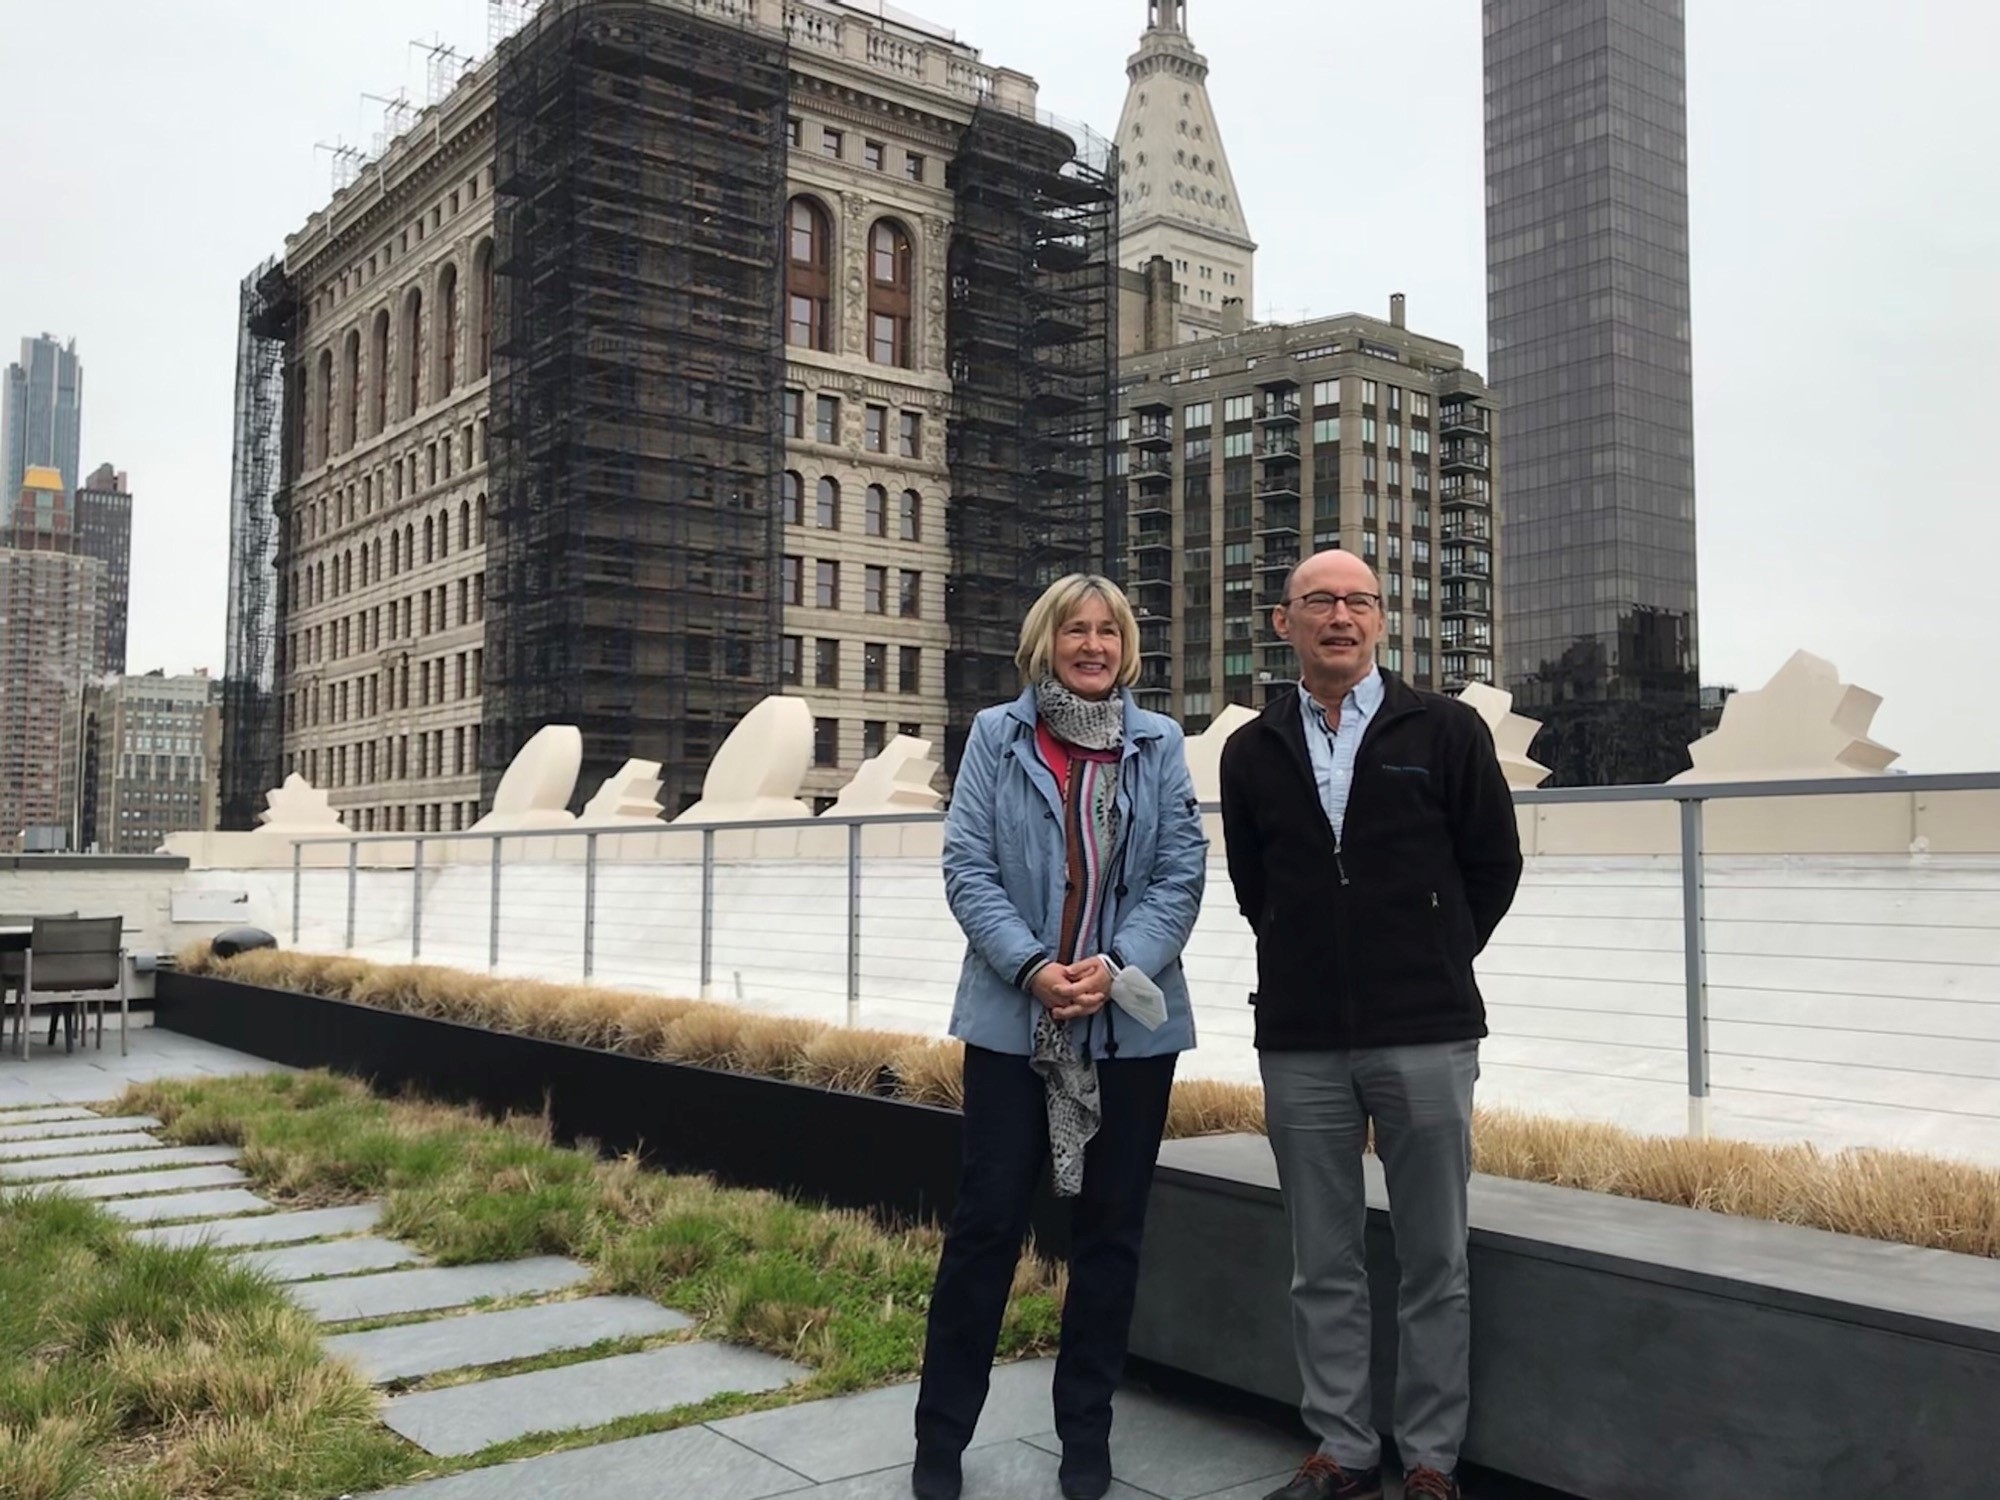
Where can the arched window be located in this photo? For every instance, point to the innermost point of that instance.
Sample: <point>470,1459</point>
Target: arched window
<point>809,277</point>
<point>430,538</point>
<point>889,278</point>
<point>911,522</point>
<point>878,511</point>
<point>413,350</point>
<point>479,521</point>
<point>350,388</point>
<point>410,549</point>
<point>324,395</point>
<point>377,563</point>
<point>464,524</point>
<point>319,583</point>
<point>827,516</point>
<point>482,313</point>
<point>794,497</point>
<point>444,535</point>
<point>378,369</point>
<point>347,571</point>
<point>395,554</point>
<point>447,341</point>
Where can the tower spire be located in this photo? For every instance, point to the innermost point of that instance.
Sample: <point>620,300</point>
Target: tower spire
<point>1166,15</point>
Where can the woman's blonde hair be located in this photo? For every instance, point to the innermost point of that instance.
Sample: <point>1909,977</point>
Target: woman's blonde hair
<point>1057,606</point>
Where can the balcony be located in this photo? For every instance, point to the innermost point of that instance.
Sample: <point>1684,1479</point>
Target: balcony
<point>1156,639</point>
<point>1156,578</point>
<point>1153,539</point>
<point>1153,404</point>
<point>1279,383</point>
<point>1464,454</point>
<point>1475,599</point>
<point>1280,518</point>
<point>1462,491</point>
<point>1280,409</point>
<point>1283,487</point>
<point>1154,433</point>
<point>1461,416</point>
<point>1149,503</point>
<point>1467,562</point>
<point>1153,466</point>
<point>1278,448</point>
<point>1467,635</point>
<point>1468,526</point>
<point>1279,559</point>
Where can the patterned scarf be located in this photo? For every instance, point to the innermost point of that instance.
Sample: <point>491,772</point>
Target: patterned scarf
<point>1090,735</point>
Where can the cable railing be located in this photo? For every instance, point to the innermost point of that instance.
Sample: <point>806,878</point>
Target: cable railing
<point>1851,999</point>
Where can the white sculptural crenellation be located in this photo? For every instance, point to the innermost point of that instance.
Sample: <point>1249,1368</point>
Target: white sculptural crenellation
<point>1204,750</point>
<point>297,807</point>
<point>535,792</point>
<point>756,775</point>
<point>899,780</point>
<point>630,798</point>
<point>1512,734</point>
<point>1804,722</point>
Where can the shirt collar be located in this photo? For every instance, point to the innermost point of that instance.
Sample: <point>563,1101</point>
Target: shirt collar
<point>1366,696</point>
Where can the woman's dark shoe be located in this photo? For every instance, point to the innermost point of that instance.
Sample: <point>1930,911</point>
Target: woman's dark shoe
<point>936,1475</point>
<point>1085,1473</point>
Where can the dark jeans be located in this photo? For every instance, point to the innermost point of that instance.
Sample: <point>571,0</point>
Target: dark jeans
<point>1006,1144</point>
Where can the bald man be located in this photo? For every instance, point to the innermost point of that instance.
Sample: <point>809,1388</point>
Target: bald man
<point>1373,849</point>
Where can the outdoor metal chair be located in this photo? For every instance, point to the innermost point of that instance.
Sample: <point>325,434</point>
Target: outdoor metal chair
<point>13,962</point>
<point>79,957</point>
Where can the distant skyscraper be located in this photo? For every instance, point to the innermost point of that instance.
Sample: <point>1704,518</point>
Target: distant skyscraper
<point>104,531</point>
<point>43,414</point>
<point>1588,325</point>
<point>1177,196</point>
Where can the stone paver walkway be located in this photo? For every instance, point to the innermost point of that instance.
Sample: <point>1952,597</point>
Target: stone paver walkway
<point>851,1448</point>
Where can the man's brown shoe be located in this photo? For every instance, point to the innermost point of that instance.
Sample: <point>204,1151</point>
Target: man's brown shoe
<point>1320,1478</point>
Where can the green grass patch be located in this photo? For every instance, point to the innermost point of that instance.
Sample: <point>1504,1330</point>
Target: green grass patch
<point>836,1291</point>
<point>139,1372</point>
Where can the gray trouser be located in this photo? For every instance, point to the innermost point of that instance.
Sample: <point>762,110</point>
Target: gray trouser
<point>1318,1105</point>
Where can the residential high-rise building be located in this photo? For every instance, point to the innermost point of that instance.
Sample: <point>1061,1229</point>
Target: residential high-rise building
<point>153,746</point>
<point>1247,452</point>
<point>41,420</point>
<point>1177,196</point>
<point>103,521</point>
<point>803,389</point>
<point>1588,325</point>
<point>51,638</point>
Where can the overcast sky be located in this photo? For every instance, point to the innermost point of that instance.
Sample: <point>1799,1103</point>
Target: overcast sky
<point>1846,244</point>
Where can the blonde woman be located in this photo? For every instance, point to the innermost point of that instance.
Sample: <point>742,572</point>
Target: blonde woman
<point>1074,860</point>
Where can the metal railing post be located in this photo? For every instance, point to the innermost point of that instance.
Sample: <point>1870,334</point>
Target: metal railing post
<point>353,882</point>
<point>1694,946</point>
<point>298,882</point>
<point>707,912</point>
<point>853,924</point>
<point>493,912</point>
<point>417,900</point>
<point>589,905</point>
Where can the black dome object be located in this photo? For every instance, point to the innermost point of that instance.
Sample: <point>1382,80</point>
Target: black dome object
<point>235,940</point>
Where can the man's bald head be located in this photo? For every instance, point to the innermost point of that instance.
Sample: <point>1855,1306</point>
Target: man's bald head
<point>1331,572</point>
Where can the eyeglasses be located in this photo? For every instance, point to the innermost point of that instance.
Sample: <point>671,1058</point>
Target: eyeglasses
<point>1358,605</point>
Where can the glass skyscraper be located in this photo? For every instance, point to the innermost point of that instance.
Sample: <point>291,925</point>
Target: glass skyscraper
<point>1588,328</point>
<point>41,414</point>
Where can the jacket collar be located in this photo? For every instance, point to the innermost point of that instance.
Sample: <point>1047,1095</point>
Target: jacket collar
<point>1398,698</point>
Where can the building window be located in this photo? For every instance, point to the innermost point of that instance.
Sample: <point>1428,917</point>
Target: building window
<point>1238,408</point>
<point>875,429</point>
<point>832,142</point>
<point>910,670</point>
<point>1326,393</point>
<point>1201,414</point>
<point>913,166</point>
<point>1326,432</point>
<point>793,499</point>
<point>911,517</point>
<point>794,573</point>
<point>1420,406</point>
<point>874,735</point>
<point>889,279</point>
<point>913,435</point>
<point>910,594</point>
<point>448,330</point>
<point>826,512</point>
<point>877,511</point>
<point>826,593</point>
<point>875,590</point>
<point>1396,400</point>
<point>413,350</point>
<point>808,278</point>
<point>1367,393</point>
<point>826,742</point>
<point>826,663</point>
<point>874,155</point>
<point>790,669</point>
<point>795,133</point>
<point>875,667</point>
<point>826,421</point>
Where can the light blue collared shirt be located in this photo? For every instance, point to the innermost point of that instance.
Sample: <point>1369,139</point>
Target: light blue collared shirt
<point>1333,751</point>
